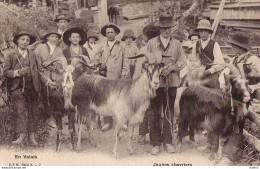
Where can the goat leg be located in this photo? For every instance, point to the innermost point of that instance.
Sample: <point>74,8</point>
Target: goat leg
<point>58,118</point>
<point>79,135</point>
<point>129,141</point>
<point>71,130</point>
<point>219,155</point>
<point>115,150</point>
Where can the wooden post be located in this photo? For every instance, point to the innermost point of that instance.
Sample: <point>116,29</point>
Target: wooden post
<point>252,140</point>
<point>34,3</point>
<point>218,18</point>
<point>102,13</point>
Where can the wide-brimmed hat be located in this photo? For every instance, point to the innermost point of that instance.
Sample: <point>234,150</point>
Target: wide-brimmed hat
<point>61,17</point>
<point>109,25</point>
<point>240,39</point>
<point>151,31</point>
<point>81,33</point>
<point>50,32</point>
<point>92,34</point>
<point>204,25</point>
<point>18,35</point>
<point>193,33</point>
<point>129,34</point>
<point>165,22</point>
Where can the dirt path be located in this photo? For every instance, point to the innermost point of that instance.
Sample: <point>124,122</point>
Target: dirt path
<point>101,154</point>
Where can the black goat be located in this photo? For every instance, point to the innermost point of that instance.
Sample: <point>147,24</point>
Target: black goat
<point>224,112</point>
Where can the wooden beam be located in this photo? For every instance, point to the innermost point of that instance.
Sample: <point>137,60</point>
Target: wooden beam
<point>252,140</point>
<point>218,18</point>
<point>254,117</point>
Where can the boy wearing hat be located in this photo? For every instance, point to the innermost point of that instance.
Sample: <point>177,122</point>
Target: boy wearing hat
<point>149,32</point>
<point>168,51</point>
<point>62,22</point>
<point>75,38</point>
<point>130,50</point>
<point>207,52</point>
<point>91,45</point>
<point>21,72</point>
<point>241,48</point>
<point>112,54</point>
<point>194,37</point>
<point>51,75</point>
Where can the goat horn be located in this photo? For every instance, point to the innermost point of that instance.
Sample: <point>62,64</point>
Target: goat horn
<point>232,68</point>
<point>241,69</point>
<point>76,60</point>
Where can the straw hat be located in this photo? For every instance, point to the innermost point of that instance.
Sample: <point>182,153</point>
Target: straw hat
<point>204,25</point>
<point>68,33</point>
<point>193,33</point>
<point>92,34</point>
<point>17,36</point>
<point>128,34</point>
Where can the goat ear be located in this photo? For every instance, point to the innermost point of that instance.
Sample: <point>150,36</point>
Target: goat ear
<point>145,65</point>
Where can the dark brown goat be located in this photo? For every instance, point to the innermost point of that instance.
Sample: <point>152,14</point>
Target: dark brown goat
<point>199,103</point>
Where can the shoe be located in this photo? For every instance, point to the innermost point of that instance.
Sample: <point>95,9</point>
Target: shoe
<point>125,127</point>
<point>141,139</point>
<point>20,139</point>
<point>169,148</point>
<point>32,139</point>
<point>106,127</point>
<point>155,150</point>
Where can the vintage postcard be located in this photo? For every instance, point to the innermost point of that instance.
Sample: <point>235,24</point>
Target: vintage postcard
<point>129,83</point>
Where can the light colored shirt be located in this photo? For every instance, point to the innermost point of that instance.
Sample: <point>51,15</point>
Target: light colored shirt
<point>75,49</point>
<point>165,41</point>
<point>111,44</point>
<point>60,31</point>
<point>52,47</point>
<point>218,56</point>
<point>24,53</point>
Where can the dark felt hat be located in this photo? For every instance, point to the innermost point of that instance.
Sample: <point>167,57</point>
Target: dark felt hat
<point>68,33</point>
<point>50,32</point>
<point>61,17</point>
<point>240,39</point>
<point>109,25</point>
<point>193,33</point>
<point>17,36</point>
<point>151,31</point>
<point>128,34</point>
<point>165,22</point>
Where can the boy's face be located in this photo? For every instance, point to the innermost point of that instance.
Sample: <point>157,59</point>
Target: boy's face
<point>23,42</point>
<point>75,38</point>
<point>129,40</point>
<point>92,40</point>
<point>204,34</point>
<point>166,32</point>
<point>53,38</point>
<point>111,34</point>
<point>63,24</point>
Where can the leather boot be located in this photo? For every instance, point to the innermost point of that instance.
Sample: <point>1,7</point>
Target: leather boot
<point>155,150</point>
<point>141,139</point>
<point>20,139</point>
<point>32,139</point>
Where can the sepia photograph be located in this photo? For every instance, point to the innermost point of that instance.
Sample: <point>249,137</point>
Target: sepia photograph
<point>129,83</point>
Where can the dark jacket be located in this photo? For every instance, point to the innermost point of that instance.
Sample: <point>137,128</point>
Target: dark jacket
<point>67,53</point>
<point>10,66</point>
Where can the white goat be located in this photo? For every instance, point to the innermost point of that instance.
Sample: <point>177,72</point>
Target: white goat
<point>127,100</point>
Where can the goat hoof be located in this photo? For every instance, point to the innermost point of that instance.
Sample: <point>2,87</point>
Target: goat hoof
<point>115,155</point>
<point>178,148</point>
<point>217,159</point>
<point>130,151</point>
